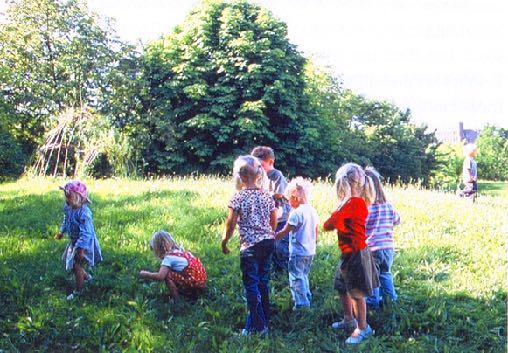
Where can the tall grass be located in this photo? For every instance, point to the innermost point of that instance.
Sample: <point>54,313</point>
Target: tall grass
<point>450,272</point>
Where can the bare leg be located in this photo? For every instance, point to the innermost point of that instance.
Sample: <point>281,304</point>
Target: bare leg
<point>79,274</point>
<point>360,311</point>
<point>173,290</point>
<point>347,306</point>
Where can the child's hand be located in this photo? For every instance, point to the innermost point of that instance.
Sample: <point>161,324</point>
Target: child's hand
<point>142,274</point>
<point>225,248</point>
<point>58,235</point>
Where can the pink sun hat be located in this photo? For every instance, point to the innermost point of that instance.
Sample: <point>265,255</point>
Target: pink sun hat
<point>78,187</point>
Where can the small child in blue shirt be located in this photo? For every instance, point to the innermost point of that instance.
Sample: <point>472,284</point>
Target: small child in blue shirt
<point>83,247</point>
<point>302,227</point>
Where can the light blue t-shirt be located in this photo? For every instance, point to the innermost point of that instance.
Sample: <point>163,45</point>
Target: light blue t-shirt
<point>302,241</point>
<point>176,263</point>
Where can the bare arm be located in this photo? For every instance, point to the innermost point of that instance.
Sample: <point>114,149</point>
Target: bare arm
<point>285,231</point>
<point>273,219</point>
<point>156,276</point>
<point>230,228</point>
<point>317,232</point>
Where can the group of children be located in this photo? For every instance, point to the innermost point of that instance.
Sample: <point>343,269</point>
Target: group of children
<point>278,227</point>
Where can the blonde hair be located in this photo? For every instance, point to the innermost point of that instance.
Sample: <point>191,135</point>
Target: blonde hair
<point>80,200</point>
<point>299,187</point>
<point>376,181</point>
<point>162,242</point>
<point>248,167</point>
<point>350,176</point>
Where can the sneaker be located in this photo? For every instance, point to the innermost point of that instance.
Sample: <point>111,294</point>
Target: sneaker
<point>262,333</point>
<point>72,296</point>
<point>362,335</point>
<point>345,325</point>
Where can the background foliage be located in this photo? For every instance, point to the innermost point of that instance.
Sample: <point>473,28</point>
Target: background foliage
<point>224,80</point>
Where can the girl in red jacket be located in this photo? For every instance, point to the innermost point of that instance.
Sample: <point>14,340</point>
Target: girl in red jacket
<point>356,273</point>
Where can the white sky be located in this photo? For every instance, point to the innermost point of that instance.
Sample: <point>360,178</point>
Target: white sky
<point>446,60</point>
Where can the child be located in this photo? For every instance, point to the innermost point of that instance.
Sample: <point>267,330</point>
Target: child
<point>302,227</point>
<point>379,227</point>
<point>182,271</point>
<point>255,212</point>
<point>356,274</point>
<point>83,246</point>
<point>469,172</point>
<point>276,186</point>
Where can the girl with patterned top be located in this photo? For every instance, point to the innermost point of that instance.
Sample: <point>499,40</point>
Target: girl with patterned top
<point>256,215</point>
<point>83,247</point>
<point>379,226</point>
<point>356,274</point>
<point>182,272</point>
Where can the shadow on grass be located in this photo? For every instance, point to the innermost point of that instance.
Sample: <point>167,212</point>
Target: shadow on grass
<point>119,312</point>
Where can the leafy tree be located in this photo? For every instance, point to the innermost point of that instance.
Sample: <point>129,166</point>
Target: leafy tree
<point>54,54</point>
<point>225,80</point>
<point>493,153</point>
<point>395,146</point>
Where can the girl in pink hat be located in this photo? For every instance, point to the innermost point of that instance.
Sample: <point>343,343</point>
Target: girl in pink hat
<point>83,247</point>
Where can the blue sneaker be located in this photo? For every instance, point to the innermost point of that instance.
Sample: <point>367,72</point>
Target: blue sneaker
<point>361,336</point>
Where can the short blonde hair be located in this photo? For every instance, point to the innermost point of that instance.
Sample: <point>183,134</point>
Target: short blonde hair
<point>248,167</point>
<point>301,187</point>
<point>162,242</point>
<point>351,175</point>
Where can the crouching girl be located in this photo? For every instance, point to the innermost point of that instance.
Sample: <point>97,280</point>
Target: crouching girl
<point>182,272</point>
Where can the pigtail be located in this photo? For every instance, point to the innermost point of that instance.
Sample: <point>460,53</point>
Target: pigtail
<point>369,191</point>
<point>376,181</point>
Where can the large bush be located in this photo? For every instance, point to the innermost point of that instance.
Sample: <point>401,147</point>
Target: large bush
<point>225,80</point>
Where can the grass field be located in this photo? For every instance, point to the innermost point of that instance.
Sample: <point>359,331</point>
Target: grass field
<point>450,271</point>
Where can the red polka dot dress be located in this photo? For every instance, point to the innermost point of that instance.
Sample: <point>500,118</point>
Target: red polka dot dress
<point>191,277</point>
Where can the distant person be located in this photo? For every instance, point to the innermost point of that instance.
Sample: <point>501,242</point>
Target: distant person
<point>83,247</point>
<point>302,227</point>
<point>253,209</point>
<point>182,272</point>
<point>277,186</point>
<point>356,275</point>
<point>470,172</point>
<point>379,229</point>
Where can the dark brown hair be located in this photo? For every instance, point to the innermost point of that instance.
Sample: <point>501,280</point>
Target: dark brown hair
<point>263,153</point>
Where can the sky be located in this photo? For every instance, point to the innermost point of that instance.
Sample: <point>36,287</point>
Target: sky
<point>446,60</point>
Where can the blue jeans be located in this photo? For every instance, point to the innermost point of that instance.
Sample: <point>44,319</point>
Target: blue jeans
<point>281,256</point>
<point>299,268</point>
<point>383,260</point>
<point>255,266</point>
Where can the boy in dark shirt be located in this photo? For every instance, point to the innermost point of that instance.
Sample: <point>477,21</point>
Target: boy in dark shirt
<point>277,187</point>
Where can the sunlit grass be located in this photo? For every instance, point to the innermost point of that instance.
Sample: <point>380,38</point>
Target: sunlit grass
<point>450,271</point>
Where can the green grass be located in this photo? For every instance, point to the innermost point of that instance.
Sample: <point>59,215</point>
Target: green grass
<point>493,188</point>
<point>450,272</point>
